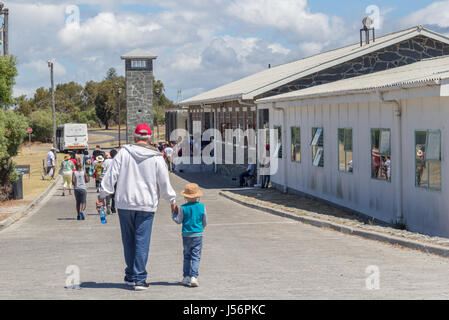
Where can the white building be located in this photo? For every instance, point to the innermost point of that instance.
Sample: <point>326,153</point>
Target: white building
<point>377,144</point>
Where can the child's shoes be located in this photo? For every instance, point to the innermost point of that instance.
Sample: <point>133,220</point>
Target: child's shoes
<point>186,281</point>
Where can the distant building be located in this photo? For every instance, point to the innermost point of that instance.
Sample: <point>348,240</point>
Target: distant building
<point>232,106</point>
<point>377,143</point>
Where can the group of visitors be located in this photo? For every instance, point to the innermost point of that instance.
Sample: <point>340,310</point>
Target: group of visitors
<point>168,151</point>
<point>77,172</point>
<point>138,177</point>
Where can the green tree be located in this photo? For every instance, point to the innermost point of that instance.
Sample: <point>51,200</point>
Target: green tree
<point>24,106</point>
<point>111,74</point>
<point>8,72</point>
<point>160,102</point>
<point>42,124</point>
<point>103,107</point>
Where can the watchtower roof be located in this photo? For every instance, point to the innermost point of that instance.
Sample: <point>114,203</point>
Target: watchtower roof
<point>138,54</point>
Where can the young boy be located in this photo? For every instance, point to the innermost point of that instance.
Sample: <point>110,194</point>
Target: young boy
<point>98,168</point>
<point>193,217</point>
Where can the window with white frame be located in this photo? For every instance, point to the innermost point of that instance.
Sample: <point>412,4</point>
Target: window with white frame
<point>279,142</point>
<point>345,161</point>
<point>138,64</point>
<point>296,144</point>
<point>428,159</point>
<point>317,147</point>
<point>381,154</point>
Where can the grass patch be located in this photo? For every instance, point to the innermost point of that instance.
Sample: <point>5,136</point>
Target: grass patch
<point>33,185</point>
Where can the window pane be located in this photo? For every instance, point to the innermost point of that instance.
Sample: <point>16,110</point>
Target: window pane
<point>349,164</point>
<point>375,157</point>
<point>296,144</point>
<point>380,154</point>
<point>341,150</point>
<point>318,147</point>
<point>420,170</point>
<point>348,139</point>
<point>434,175</point>
<point>433,146</point>
<point>279,146</point>
<point>384,147</point>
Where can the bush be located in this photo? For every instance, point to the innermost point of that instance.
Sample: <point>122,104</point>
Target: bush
<point>12,132</point>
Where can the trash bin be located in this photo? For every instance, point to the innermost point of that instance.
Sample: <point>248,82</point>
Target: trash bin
<point>18,188</point>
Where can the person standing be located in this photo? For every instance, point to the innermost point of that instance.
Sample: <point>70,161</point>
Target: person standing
<point>265,168</point>
<point>141,176</point>
<point>169,154</point>
<point>79,180</point>
<point>98,168</point>
<point>51,164</point>
<point>106,167</point>
<point>67,168</point>
<point>193,217</point>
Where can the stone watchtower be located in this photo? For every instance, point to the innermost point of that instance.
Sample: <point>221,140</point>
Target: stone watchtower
<point>139,90</point>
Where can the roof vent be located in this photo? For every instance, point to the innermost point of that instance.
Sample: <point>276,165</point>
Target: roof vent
<point>367,27</point>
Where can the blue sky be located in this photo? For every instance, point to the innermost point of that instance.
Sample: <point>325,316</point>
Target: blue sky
<point>200,44</point>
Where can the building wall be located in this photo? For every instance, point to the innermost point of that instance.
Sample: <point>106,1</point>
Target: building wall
<point>139,100</point>
<point>396,55</point>
<point>424,210</point>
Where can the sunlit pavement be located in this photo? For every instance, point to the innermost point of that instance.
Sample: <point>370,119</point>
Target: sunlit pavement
<point>247,254</point>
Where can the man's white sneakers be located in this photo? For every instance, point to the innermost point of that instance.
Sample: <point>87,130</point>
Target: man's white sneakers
<point>194,282</point>
<point>186,281</point>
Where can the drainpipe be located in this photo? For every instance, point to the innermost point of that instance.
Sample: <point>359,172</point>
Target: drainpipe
<point>398,139</point>
<point>284,143</point>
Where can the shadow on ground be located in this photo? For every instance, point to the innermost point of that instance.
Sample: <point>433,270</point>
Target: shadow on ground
<point>209,180</point>
<point>276,199</point>
<point>95,285</point>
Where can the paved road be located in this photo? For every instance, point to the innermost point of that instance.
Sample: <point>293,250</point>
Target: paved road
<point>247,255</point>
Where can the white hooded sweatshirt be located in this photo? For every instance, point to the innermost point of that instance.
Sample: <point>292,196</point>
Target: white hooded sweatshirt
<point>141,176</point>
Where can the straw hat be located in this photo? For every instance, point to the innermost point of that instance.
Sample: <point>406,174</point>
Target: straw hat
<point>100,159</point>
<point>191,191</point>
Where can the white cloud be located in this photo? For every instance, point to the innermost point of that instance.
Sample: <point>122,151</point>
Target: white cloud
<point>277,48</point>
<point>292,16</point>
<point>106,30</point>
<point>199,46</point>
<point>40,67</point>
<point>436,13</point>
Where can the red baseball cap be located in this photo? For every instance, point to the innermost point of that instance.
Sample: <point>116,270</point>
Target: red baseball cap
<point>143,129</point>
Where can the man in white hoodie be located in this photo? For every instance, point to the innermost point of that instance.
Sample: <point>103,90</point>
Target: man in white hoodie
<point>141,175</point>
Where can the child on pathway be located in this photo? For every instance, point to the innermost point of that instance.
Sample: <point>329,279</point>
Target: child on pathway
<point>79,179</point>
<point>193,217</point>
<point>98,172</point>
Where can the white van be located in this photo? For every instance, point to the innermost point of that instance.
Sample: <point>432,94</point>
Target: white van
<point>72,137</point>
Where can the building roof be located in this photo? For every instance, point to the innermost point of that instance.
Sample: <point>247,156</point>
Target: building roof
<point>420,73</point>
<point>250,87</point>
<point>138,54</point>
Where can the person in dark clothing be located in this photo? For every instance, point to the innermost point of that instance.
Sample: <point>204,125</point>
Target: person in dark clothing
<point>250,171</point>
